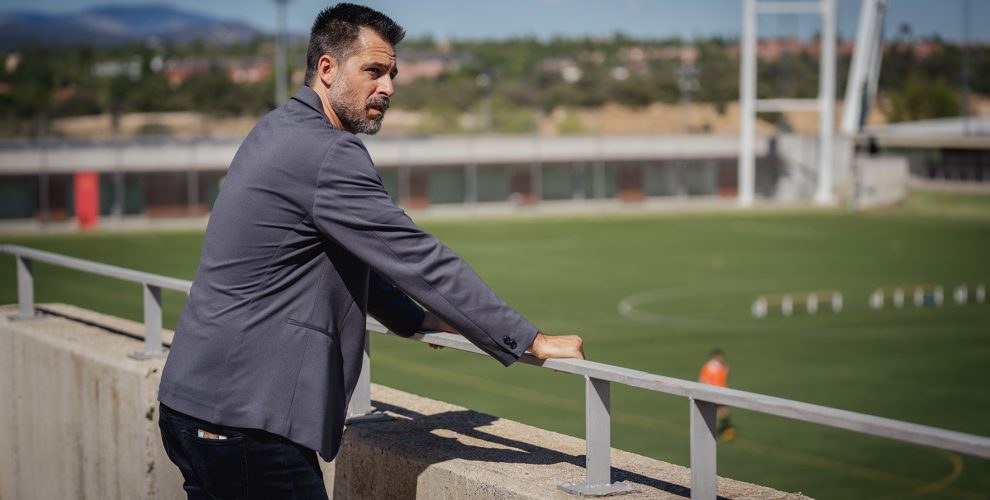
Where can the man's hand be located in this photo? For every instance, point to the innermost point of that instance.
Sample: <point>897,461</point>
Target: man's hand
<point>433,323</point>
<point>557,346</point>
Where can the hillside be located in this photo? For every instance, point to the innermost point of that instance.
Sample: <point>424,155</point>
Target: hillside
<point>117,25</point>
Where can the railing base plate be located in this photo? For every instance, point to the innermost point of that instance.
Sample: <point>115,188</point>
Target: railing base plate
<point>144,355</point>
<point>21,317</point>
<point>372,416</point>
<point>602,490</point>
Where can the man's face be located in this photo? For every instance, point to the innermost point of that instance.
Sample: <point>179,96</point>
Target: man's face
<point>360,93</point>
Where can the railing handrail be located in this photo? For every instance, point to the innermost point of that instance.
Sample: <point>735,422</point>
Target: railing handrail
<point>703,395</point>
<point>899,430</point>
<point>89,266</point>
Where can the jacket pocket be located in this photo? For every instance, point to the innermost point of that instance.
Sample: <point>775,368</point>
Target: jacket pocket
<point>310,326</point>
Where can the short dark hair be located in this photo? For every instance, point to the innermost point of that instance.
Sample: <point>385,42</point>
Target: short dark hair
<point>336,29</point>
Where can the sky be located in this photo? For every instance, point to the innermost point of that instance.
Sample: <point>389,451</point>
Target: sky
<point>547,18</point>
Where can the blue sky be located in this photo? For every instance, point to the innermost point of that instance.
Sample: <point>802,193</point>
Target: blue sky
<point>545,18</point>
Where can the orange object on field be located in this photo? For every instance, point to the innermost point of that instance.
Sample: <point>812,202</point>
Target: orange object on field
<point>87,199</point>
<point>714,372</point>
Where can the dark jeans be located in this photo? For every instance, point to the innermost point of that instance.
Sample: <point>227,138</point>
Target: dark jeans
<point>250,463</point>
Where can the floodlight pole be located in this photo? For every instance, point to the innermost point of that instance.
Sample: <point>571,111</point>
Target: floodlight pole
<point>967,122</point>
<point>861,85</point>
<point>281,83</point>
<point>860,90</point>
<point>747,87</point>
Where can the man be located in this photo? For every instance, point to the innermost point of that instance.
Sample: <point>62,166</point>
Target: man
<point>303,242</point>
<point>715,371</point>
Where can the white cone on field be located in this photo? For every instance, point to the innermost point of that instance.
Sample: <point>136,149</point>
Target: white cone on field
<point>837,302</point>
<point>876,299</point>
<point>759,307</point>
<point>960,294</point>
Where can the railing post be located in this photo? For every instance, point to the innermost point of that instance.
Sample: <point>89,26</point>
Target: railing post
<point>152,324</point>
<point>703,475</point>
<point>598,438</point>
<point>360,409</point>
<point>598,431</point>
<point>25,288</point>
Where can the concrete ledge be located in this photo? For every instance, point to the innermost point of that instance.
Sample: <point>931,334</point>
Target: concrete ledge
<point>437,450</point>
<point>80,421</point>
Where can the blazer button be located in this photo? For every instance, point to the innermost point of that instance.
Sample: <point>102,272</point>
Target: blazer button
<point>512,344</point>
<point>507,341</point>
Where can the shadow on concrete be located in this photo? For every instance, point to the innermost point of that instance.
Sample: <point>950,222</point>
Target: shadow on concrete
<point>431,448</point>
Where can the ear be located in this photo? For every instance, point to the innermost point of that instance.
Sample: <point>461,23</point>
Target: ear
<point>326,69</point>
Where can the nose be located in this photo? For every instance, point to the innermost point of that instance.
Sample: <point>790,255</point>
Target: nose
<point>385,86</point>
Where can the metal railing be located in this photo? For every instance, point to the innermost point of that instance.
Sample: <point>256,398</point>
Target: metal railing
<point>704,399</point>
<point>151,284</point>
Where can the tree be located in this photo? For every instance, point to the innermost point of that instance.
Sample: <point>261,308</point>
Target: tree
<point>214,94</point>
<point>151,93</point>
<point>923,98</point>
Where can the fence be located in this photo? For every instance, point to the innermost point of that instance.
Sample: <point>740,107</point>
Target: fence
<point>703,399</point>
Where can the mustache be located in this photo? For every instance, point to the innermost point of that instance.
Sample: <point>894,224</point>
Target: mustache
<point>381,103</point>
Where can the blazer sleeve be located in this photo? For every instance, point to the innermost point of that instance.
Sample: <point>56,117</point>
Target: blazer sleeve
<point>352,208</point>
<point>392,307</point>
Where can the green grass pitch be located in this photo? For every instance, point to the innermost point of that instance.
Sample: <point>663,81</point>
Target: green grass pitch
<point>692,279</point>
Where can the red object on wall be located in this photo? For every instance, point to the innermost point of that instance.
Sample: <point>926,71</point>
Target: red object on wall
<point>87,199</point>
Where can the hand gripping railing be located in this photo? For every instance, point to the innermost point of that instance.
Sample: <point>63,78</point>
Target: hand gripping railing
<point>704,399</point>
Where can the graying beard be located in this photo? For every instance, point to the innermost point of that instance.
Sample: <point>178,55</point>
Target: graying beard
<point>358,125</point>
<point>370,128</point>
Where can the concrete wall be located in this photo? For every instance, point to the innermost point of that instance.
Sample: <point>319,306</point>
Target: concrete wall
<point>796,158</point>
<point>77,415</point>
<point>882,181</point>
<point>78,420</point>
<point>211,155</point>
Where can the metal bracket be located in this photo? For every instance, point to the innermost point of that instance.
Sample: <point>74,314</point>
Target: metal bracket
<point>600,490</point>
<point>22,317</point>
<point>146,355</point>
<point>367,418</point>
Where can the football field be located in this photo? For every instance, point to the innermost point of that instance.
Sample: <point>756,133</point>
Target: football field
<point>657,293</point>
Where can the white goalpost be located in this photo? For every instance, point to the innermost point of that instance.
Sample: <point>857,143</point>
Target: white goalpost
<point>824,104</point>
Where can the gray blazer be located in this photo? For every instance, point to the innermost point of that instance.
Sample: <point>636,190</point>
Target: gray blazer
<point>303,242</point>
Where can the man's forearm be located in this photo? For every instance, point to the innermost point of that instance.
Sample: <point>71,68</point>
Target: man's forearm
<point>544,346</point>
<point>433,323</point>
